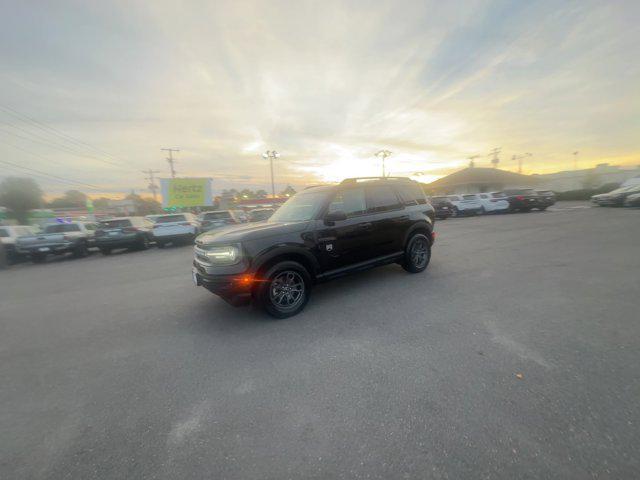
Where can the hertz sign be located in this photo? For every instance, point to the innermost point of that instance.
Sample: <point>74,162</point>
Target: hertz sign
<point>186,192</point>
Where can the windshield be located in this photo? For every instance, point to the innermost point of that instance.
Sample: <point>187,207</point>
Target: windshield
<point>62,228</point>
<point>116,223</point>
<point>216,215</point>
<point>299,208</point>
<point>170,219</point>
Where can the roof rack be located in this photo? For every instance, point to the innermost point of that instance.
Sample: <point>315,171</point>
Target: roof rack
<point>368,179</point>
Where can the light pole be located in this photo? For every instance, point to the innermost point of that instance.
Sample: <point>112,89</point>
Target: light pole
<point>271,154</point>
<point>384,154</point>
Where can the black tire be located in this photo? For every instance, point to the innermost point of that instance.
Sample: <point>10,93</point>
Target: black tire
<point>417,253</point>
<point>143,243</point>
<point>160,244</point>
<point>80,251</point>
<point>38,257</point>
<point>277,295</point>
<point>456,212</point>
<point>105,251</point>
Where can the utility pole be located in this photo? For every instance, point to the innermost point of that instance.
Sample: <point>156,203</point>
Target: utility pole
<point>472,160</point>
<point>519,158</point>
<point>384,154</point>
<point>494,156</point>
<point>575,160</point>
<point>171,160</point>
<point>152,181</point>
<point>271,155</point>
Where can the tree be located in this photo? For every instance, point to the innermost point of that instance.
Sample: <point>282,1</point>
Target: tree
<point>20,195</point>
<point>70,199</point>
<point>288,192</point>
<point>246,193</point>
<point>144,206</point>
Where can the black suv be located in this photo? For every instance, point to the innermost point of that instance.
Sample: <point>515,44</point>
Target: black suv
<point>321,233</point>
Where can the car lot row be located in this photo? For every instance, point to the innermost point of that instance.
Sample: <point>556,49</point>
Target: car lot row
<point>628,196</point>
<point>136,233</point>
<point>513,200</point>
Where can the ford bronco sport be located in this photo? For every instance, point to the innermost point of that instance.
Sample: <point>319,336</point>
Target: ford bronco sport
<point>321,233</point>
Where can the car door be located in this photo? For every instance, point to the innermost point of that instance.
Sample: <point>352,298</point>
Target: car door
<point>388,218</point>
<point>345,242</point>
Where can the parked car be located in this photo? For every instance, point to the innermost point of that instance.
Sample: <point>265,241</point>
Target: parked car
<point>493,202</point>
<point>442,206</point>
<point>175,228</point>
<point>220,218</point>
<point>321,233</point>
<point>124,232</point>
<point>468,204</point>
<point>522,199</point>
<point>632,200</point>
<point>57,239</point>
<point>260,214</point>
<point>8,236</point>
<point>546,198</point>
<point>615,198</point>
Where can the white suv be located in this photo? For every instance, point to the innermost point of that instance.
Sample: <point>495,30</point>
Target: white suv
<point>174,228</point>
<point>8,236</point>
<point>467,204</point>
<point>493,202</point>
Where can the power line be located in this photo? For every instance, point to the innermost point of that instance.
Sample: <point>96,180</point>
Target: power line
<point>58,133</point>
<point>56,177</point>
<point>52,144</point>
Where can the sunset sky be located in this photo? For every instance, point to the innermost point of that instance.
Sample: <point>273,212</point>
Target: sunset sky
<point>327,84</point>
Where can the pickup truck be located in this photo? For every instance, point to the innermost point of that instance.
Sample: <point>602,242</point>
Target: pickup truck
<point>57,239</point>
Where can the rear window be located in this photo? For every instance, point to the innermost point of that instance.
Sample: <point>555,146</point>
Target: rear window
<point>216,215</point>
<point>469,197</point>
<point>381,198</point>
<point>62,228</point>
<point>411,194</point>
<point>497,194</point>
<point>454,198</point>
<point>4,233</point>
<point>171,218</point>
<point>520,191</point>
<point>116,223</point>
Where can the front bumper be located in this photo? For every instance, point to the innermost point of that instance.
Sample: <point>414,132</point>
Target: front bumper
<point>56,248</point>
<point>233,288</point>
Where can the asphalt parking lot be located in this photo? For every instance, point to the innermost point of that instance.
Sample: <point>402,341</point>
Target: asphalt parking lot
<point>515,355</point>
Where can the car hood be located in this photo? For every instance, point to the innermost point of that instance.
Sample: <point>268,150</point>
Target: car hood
<point>249,231</point>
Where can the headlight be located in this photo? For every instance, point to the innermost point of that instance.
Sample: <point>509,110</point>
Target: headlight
<point>223,255</point>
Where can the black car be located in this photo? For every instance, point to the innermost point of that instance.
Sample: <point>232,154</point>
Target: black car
<point>443,207</point>
<point>522,199</point>
<point>321,233</point>
<point>546,198</point>
<point>125,232</point>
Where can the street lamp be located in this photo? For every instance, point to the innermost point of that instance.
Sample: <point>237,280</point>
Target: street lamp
<point>271,154</point>
<point>384,154</point>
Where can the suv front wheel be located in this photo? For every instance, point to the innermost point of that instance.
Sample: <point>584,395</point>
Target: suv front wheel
<point>417,253</point>
<point>285,290</point>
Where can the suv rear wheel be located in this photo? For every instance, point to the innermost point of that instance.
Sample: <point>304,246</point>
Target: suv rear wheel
<point>286,289</point>
<point>417,253</point>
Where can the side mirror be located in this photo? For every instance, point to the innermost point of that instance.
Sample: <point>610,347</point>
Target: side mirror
<point>333,217</point>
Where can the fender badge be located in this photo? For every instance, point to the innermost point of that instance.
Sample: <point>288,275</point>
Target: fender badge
<point>329,247</point>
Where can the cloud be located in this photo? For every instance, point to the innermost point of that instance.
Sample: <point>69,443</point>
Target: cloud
<point>327,85</point>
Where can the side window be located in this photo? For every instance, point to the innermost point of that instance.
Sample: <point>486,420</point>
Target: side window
<point>351,202</point>
<point>381,198</point>
<point>412,194</point>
